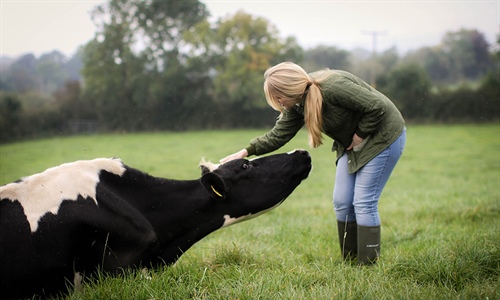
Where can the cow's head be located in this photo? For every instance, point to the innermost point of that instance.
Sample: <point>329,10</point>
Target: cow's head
<point>248,188</point>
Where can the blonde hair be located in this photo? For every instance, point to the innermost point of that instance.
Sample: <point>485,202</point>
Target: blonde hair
<point>288,82</point>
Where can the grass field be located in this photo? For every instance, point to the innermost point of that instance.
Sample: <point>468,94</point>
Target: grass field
<point>440,220</point>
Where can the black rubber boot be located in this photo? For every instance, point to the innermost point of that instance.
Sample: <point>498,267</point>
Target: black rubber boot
<point>348,239</point>
<point>368,244</point>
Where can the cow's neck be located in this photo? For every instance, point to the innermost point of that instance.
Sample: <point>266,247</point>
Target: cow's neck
<point>182,213</point>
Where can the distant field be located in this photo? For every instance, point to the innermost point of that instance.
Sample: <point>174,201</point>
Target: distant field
<point>440,220</point>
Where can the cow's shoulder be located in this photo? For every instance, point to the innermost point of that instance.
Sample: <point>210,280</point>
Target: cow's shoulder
<point>44,192</point>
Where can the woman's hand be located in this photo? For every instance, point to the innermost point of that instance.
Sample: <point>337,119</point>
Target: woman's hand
<point>240,154</point>
<point>356,140</point>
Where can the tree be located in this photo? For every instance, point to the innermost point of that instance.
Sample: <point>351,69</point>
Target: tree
<point>388,60</point>
<point>363,64</point>
<point>468,51</point>
<point>50,71</point>
<point>161,25</point>
<point>461,55</point>
<point>74,65</point>
<point>409,87</point>
<point>436,62</point>
<point>322,57</point>
<point>175,84</point>
<point>10,115</point>
<point>21,75</point>
<point>106,72</point>
<point>488,98</point>
<point>44,75</point>
<point>240,48</point>
<point>133,64</point>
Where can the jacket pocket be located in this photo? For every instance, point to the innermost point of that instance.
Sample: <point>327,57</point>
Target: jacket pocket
<point>361,145</point>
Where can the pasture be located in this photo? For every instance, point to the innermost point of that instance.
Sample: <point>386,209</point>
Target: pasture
<point>440,220</point>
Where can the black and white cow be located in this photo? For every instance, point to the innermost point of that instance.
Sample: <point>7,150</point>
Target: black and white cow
<point>72,219</point>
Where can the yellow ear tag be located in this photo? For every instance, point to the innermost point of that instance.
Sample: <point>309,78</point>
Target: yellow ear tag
<point>217,193</point>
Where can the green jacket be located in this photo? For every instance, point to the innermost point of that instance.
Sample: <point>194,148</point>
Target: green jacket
<point>350,106</point>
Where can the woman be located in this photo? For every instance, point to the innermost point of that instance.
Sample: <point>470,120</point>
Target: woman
<point>369,137</point>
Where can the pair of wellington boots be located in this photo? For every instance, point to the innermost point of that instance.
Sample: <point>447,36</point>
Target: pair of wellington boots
<point>359,242</point>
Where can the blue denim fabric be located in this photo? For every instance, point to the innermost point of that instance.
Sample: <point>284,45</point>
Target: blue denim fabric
<point>356,196</point>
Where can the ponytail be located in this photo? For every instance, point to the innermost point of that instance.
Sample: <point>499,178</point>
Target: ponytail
<point>313,114</point>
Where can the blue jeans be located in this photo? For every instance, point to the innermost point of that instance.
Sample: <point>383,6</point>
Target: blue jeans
<point>356,196</point>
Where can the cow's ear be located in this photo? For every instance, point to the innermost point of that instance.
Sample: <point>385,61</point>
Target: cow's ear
<point>204,169</point>
<point>214,185</point>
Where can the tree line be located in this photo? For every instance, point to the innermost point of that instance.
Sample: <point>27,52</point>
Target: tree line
<point>161,65</point>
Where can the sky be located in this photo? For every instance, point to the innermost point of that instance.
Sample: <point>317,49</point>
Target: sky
<point>41,26</point>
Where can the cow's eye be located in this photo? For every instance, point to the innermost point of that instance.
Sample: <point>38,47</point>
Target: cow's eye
<point>244,166</point>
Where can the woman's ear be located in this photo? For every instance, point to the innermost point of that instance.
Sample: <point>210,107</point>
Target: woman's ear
<point>214,185</point>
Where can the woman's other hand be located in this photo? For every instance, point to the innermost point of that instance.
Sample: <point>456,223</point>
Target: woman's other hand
<point>356,140</point>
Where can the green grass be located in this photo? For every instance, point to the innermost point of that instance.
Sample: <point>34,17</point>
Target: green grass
<point>440,221</point>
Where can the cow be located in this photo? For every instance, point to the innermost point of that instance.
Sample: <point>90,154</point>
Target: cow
<point>101,215</point>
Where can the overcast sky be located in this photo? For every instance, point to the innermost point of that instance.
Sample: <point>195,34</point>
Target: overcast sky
<point>40,26</point>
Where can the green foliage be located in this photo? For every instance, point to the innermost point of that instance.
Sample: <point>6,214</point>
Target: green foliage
<point>170,83</point>
<point>50,71</point>
<point>461,55</point>
<point>44,75</point>
<point>439,221</point>
<point>29,114</point>
<point>242,47</point>
<point>126,79</point>
<point>409,87</point>
<point>322,57</point>
<point>468,50</point>
<point>110,68</point>
<point>10,114</point>
<point>21,74</point>
<point>70,103</point>
<point>161,65</point>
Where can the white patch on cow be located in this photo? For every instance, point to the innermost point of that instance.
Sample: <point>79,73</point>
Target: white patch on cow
<point>231,221</point>
<point>209,165</point>
<point>44,192</point>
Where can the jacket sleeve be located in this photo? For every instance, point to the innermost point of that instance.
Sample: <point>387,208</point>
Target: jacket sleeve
<point>364,99</point>
<point>286,127</point>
